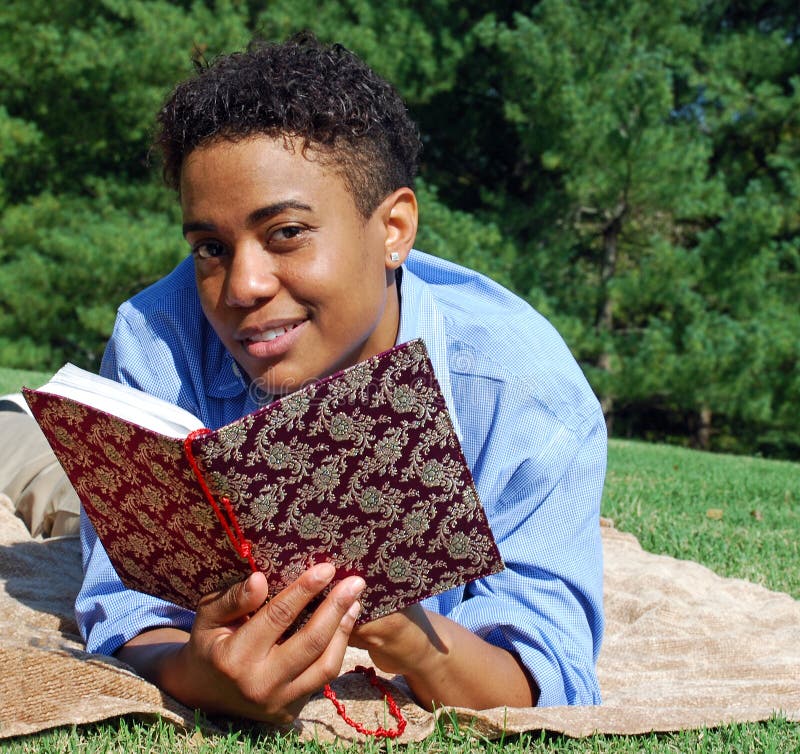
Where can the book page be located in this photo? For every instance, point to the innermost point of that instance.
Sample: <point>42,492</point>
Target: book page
<point>123,401</point>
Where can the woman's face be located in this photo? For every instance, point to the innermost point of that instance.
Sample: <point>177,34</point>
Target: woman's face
<point>293,279</point>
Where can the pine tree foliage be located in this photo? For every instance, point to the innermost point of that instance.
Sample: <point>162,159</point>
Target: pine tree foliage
<point>632,168</point>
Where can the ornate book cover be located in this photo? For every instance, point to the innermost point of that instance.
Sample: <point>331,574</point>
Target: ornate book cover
<point>362,468</point>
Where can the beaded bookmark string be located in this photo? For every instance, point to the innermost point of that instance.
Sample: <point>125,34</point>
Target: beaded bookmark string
<point>394,709</point>
<point>230,524</point>
<point>245,550</point>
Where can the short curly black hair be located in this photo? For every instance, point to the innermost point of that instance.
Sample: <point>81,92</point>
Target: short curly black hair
<point>322,95</point>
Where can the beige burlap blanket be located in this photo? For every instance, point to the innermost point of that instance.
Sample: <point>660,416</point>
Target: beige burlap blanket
<point>684,648</point>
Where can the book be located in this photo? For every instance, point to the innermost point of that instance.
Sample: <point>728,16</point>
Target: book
<point>362,468</point>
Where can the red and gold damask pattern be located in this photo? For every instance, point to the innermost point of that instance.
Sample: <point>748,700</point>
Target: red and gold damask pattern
<point>362,469</point>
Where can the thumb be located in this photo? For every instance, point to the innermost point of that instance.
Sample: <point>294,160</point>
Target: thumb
<point>233,604</point>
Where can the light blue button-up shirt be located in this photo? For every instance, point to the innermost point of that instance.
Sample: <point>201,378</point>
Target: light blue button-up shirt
<point>530,427</point>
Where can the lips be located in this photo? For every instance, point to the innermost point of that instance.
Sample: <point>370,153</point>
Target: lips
<point>269,342</point>
<point>267,332</point>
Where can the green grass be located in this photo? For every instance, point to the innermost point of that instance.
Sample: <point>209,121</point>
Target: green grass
<point>661,494</point>
<point>739,516</point>
<point>128,735</point>
<point>11,380</point>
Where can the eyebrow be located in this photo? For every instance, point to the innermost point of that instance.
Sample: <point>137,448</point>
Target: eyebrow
<point>256,216</point>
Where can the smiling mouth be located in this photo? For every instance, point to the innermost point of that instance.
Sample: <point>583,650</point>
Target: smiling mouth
<point>273,333</point>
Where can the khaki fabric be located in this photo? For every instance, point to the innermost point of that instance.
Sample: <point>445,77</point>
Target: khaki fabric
<point>33,479</point>
<point>684,648</point>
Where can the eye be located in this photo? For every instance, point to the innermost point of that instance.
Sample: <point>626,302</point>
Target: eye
<point>287,233</point>
<point>208,250</point>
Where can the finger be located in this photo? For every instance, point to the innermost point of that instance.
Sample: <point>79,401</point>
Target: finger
<point>337,613</point>
<point>328,665</point>
<point>331,621</point>
<point>233,604</point>
<point>272,620</point>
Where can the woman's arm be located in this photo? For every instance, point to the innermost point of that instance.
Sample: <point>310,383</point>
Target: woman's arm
<point>445,663</point>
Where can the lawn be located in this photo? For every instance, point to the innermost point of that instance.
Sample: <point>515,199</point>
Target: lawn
<point>11,380</point>
<point>739,516</point>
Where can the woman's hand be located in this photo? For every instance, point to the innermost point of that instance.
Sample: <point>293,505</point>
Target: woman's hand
<point>400,642</point>
<point>234,662</point>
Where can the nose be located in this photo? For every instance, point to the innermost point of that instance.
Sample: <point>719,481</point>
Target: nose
<point>250,277</point>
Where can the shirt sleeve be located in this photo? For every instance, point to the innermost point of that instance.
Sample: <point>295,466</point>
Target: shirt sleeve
<point>108,613</point>
<point>543,506</point>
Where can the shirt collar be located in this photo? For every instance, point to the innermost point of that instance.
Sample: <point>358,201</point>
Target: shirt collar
<point>420,317</point>
<point>225,376</point>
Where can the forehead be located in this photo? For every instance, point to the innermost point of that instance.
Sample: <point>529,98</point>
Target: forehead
<point>264,155</point>
<point>263,167</point>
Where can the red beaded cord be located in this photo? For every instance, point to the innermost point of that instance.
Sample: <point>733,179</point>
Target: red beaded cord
<point>231,525</point>
<point>394,709</point>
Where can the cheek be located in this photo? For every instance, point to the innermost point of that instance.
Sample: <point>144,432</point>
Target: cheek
<point>209,291</point>
<point>318,281</point>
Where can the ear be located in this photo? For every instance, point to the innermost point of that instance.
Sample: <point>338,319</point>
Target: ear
<point>400,215</point>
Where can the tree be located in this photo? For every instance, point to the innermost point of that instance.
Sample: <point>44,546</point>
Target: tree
<point>632,169</point>
<point>84,221</point>
<point>594,96</point>
<point>646,168</point>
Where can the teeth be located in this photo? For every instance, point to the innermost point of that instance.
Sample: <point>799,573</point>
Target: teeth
<point>272,334</point>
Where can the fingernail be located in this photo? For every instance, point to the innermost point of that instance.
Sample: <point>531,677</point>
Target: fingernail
<point>248,585</point>
<point>355,586</point>
<point>324,572</point>
<point>355,610</point>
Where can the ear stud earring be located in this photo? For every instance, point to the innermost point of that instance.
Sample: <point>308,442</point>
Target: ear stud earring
<point>394,256</point>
